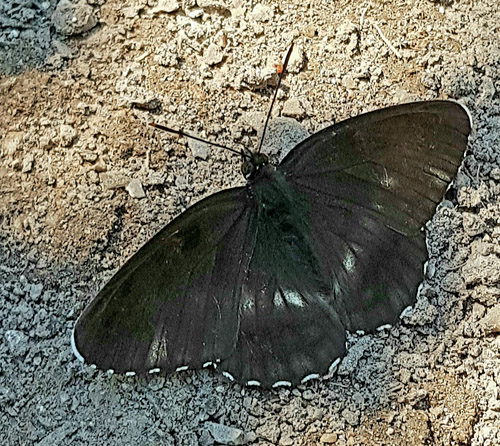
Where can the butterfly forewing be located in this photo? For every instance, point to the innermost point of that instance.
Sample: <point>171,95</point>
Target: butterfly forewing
<point>373,181</point>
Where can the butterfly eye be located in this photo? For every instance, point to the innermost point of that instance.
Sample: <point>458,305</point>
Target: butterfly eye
<point>247,169</point>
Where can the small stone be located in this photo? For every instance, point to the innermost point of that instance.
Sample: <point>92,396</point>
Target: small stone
<point>45,142</point>
<point>297,59</point>
<point>100,166</point>
<point>198,149</point>
<point>491,322</point>
<point>286,440</point>
<point>17,342</point>
<point>27,163</point>
<point>11,142</point>
<point>36,291</point>
<point>67,134</point>
<point>182,181</point>
<point>308,395</point>
<point>310,31</point>
<point>73,18</point>
<point>487,89</point>
<point>349,83</point>
<point>262,13</point>
<point>134,188</point>
<point>213,55</point>
<point>113,180</point>
<point>195,13</point>
<point>130,12</point>
<point>328,438</point>
<point>228,435</point>
<point>351,416</point>
<point>292,107</point>
<point>167,6</point>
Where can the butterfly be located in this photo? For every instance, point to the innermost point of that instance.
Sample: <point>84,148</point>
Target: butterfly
<point>262,281</point>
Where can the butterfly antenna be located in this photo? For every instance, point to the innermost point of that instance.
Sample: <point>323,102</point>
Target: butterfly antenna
<point>281,70</point>
<point>196,138</point>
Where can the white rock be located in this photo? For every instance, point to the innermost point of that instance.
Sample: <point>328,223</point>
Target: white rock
<point>134,188</point>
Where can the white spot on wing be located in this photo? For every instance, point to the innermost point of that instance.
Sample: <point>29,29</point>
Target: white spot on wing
<point>419,289</point>
<point>208,364</point>
<point>253,383</point>
<point>349,261</point>
<point>309,377</point>
<point>278,300</point>
<point>73,347</point>
<point>182,368</point>
<point>228,376</point>
<point>248,305</point>
<point>156,370</point>
<point>333,366</point>
<point>384,327</point>
<point>129,373</point>
<point>406,312</point>
<point>282,384</point>
<point>294,298</point>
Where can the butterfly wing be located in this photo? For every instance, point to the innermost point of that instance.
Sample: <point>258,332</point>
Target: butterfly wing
<point>372,182</point>
<point>175,302</point>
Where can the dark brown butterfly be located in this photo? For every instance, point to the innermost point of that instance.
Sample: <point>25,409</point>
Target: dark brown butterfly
<point>262,281</point>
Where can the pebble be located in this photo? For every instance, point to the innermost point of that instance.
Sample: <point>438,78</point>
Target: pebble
<point>198,149</point>
<point>134,188</point>
<point>195,13</point>
<point>167,6</point>
<point>293,108</point>
<point>213,55</point>
<point>11,142</point>
<point>36,291</point>
<point>329,438</point>
<point>27,163</point>
<point>491,322</point>
<point>17,342</point>
<point>73,18</point>
<point>297,59</point>
<point>262,13</point>
<point>67,135</point>
<point>228,435</point>
<point>113,180</point>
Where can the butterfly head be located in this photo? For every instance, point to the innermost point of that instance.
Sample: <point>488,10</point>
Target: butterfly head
<point>255,164</point>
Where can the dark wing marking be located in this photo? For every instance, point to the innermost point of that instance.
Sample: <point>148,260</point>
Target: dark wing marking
<point>371,183</point>
<point>175,302</point>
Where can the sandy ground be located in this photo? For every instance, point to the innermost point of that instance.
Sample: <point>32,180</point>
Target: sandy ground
<point>84,182</point>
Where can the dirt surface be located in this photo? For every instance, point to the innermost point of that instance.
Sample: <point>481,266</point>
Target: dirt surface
<point>84,182</point>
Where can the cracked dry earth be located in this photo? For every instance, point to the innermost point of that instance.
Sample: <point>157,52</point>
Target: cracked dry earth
<point>84,182</point>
